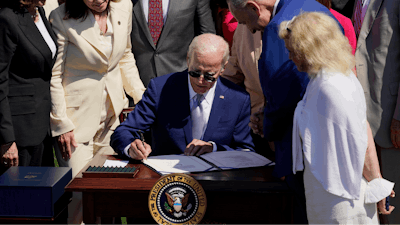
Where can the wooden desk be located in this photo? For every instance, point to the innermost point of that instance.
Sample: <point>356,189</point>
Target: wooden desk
<point>246,196</point>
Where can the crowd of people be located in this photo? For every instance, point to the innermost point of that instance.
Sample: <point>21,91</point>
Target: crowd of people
<point>313,84</point>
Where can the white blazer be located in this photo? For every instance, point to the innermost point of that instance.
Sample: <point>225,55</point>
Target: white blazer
<point>82,71</point>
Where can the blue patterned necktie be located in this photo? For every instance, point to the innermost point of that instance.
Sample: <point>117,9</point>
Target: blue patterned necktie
<point>197,114</point>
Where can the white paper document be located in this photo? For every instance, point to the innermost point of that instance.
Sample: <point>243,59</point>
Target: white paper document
<point>223,160</point>
<point>115,163</point>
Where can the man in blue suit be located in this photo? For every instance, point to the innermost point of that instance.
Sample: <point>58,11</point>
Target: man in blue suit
<point>283,85</point>
<point>191,112</point>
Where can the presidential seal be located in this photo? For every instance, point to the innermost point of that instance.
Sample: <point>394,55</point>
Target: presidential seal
<point>177,199</point>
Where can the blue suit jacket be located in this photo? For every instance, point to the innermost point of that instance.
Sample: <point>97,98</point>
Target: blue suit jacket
<point>283,85</point>
<point>164,109</point>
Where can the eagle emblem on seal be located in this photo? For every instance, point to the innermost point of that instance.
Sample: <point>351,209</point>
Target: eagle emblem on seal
<point>177,202</point>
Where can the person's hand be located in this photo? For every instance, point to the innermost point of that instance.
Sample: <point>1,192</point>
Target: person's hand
<point>139,150</point>
<point>395,133</point>
<point>64,142</point>
<point>198,147</point>
<point>271,145</point>
<point>9,155</point>
<point>382,205</point>
<point>256,122</point>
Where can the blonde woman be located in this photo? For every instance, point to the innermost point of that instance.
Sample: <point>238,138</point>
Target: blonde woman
<point>332,141</point>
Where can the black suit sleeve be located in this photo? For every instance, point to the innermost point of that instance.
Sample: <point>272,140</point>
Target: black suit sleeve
<point>7,49</point>
<point>203,21</point>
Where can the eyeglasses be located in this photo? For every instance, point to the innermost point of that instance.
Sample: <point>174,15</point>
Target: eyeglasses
<point>207,76</point>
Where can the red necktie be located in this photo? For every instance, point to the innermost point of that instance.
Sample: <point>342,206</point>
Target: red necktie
<point>357,20</point>
<point>155,19</point>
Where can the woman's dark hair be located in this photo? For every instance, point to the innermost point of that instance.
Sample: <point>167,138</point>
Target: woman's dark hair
<point>17,5</point>
<point>77,9</point>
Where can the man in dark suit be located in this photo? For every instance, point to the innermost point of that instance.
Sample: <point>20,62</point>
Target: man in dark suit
<point>191,112</point>
<point>283,85</point>
<point>163,50</point>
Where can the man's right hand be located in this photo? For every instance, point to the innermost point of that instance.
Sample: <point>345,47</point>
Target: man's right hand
<point>9,155</point>
<point>64,143</point>
<point>139,150</point>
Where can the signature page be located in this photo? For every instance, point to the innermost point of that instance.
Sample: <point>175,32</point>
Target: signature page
<point>166,164</point>
<point>236,159</point>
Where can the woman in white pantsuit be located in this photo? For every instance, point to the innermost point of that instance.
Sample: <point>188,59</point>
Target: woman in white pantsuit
<point>94,68</point>
<point>332,141</point>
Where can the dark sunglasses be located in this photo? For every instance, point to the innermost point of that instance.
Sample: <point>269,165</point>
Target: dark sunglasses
<point>207,76</point>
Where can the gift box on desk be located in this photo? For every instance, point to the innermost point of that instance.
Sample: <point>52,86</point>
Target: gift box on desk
<point>32,191</point>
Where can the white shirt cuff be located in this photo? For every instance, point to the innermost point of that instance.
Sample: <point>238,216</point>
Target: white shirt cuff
<point>378,189</point>
<point>126,150</point>
<point>214,146</point>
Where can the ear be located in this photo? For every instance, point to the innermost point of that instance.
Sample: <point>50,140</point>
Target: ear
<point>223,68</point>
<point>252,5</point>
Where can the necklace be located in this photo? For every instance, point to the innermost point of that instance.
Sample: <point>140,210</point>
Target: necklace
<point>36,13</point>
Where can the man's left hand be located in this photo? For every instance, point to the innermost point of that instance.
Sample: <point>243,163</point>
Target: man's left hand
<point>395,133</point>
<point>198,147</point>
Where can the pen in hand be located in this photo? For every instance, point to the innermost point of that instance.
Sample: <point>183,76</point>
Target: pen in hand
<point>387,203</point>
<point>142,139</point>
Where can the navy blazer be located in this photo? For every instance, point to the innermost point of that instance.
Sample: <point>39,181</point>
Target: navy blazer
<point>25,72</point>
<point>283,85</point>
<point>165,110</point>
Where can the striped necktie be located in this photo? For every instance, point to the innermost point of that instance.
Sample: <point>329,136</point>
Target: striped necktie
<point>357,18</point>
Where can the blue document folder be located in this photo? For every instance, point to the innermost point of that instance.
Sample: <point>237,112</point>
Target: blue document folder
<point>32,191</point>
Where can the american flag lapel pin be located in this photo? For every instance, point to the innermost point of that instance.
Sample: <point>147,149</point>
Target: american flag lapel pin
<point>221,97</point>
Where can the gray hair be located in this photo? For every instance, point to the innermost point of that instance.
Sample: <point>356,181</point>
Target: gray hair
<point>209,44</point>
<point>238,4</point>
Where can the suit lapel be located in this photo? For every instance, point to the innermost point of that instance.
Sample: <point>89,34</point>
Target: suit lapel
<point>139,15</point>
<point>30,30</point>
<point>89,35</point>
<point>369,18</point>
<point>215,114</point>
<point>171,15</point>
<point>187,129</point>
<point>119,16</point>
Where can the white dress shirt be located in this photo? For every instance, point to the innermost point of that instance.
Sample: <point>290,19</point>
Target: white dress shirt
<point>106,41</point>
<point>365,4</point>
<point>46,36</point>
<point>206,103</point>
<point>275,6</point>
